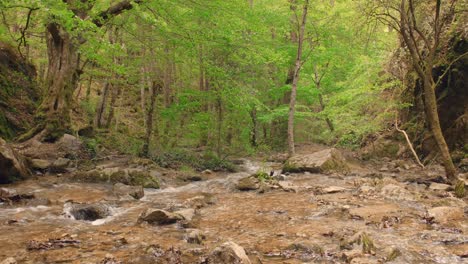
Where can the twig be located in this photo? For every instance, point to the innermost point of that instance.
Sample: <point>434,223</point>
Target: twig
<point>409,143</point>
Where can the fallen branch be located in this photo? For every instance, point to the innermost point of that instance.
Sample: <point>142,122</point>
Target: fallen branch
<point>409,143</point>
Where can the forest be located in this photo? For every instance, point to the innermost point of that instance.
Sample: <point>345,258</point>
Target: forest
<point>233,131</point>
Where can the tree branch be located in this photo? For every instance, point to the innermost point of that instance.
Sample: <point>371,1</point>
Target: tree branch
<point>114,10</point>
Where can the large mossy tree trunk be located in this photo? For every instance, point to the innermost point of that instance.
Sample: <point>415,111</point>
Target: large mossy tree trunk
<point>62,77</point>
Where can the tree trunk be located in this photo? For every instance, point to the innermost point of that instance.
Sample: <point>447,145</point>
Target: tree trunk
<point>254,132</point>
<point>292,104</point>
<point>101,107</point>
<point>61,80</point>
<point>322,107</point>
<point>430,102</point>
<point>149,119</point>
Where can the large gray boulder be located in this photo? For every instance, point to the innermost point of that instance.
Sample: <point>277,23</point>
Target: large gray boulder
<point>12,165</point>
<point>325,161</point>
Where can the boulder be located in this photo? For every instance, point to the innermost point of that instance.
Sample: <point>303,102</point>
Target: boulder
<point>325,161</point>
<point>228,253</point>
<point>70,144</point>
<point>446,214</point>
<point>87,212</point>
<point>60,165</point>
<point>40,164</point>
<point>160,217</point>
<point>248,184</point>
<point>12,165</point>
<point>122,190</point>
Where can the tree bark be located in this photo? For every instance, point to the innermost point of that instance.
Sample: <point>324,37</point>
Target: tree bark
<point>62,76</point>
<point>101,107</point>
<point>149,118</point>
<point>292,104</point>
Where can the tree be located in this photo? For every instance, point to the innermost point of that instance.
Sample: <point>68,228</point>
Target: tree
<point>410,18</point>
<point>64,60</point>
<point>297,68</point>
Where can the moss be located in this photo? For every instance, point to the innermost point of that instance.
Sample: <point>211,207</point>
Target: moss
<point>395,253</point>
<point>460,189</point>
<point>261,176</point>
<point>141,178</point>
<point>367,244</point>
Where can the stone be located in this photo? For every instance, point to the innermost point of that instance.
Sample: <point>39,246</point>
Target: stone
<point>396,192</point>
<point>333,189</point>
<point>187,214</point>
<point>40,164</point>
<point>280,177</point>
<point>307,247</point>
<point>122,190</point>
<point>439,186</point>
<point>160,217</point>
<point>229,253</point>
<point>247,184</point>
<point>325,161</point>
<point>288,186</point>
<point>5,193</point>
<point>195,236</point>
<point>87,212</point>
<point>12,165</point>
<point>446,214</point>
<point>9,260</point>
<point>207,172</point>
<point>70,144</point>
<point>60,165</point>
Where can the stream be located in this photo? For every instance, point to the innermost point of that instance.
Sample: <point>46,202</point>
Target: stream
<point>314,218</point>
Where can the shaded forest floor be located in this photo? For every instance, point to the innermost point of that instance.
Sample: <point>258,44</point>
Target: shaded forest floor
<point>382,211</point>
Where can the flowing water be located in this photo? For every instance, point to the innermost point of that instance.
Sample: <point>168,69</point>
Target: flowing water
<point>265,224</point>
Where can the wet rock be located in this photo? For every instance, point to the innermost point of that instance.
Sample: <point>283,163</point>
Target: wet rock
<point>333,189</point>
<point>122,190</point>
<point>446,214</point>
<point>307,247</point>
<point>9,260</point>
<point>160,217</point>
<point>187,214</point>
<point>87,212</point>
<point>12,165</point>
<point>5,193</point>
<point>228,253</point>
<point>439,186</point>
<point>60,165</point>
<point>396,192</point>
<point>195,236</point>
<point>280,177</point>
<point>248,184</point>
<point>325,161</point>
<point>40,164</point>
<point>288,186</point>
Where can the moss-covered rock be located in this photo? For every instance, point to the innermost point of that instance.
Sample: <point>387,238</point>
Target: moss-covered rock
<point>133,177</point>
